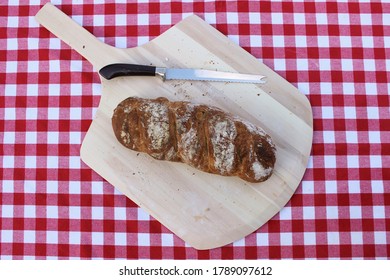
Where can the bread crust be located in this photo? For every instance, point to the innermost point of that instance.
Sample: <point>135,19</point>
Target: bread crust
<point>201,136</point>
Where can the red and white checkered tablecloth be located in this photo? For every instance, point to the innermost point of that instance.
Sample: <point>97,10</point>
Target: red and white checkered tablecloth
<point>52,206</point>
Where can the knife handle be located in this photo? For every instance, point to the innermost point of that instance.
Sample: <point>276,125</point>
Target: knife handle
<point>123,69</point>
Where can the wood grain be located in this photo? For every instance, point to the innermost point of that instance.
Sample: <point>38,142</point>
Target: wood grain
<point>205,210</point>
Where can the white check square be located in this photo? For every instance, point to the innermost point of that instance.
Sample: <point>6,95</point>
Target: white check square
<point>121,42</point>
<point>286,239</point>
<point>232,17</point>
<point>143,19</point>
<point>74,137</point>
<point>307,188</point>
<point>52,237</point>
<point>97,238</point>
<point>98,20</point>
<point>369,64</point>
<point>52,212</point>
<point>309,238</point>
<point>333,238</point>
<point>345,41</point>
<point>32,90</point>
<point>10,90</point>
<point>29,211</point>
<point>8,186</point>
<point>31,113</point>
<point>75,238</point>
<point>354,186</point>
<point>262,239</point>
<point>323,41</point>
<point>167,239</point>
<point>348,88</point>
<point>54,43</point>
<point>11,66</point>
<point>32,66</point>
<point>210,18</point>
<point>367,41</point>
<point>143,239</point>
<point>371,88</point>
<point>165,19</point>
<point>97,213</point>
<point>254,18</point>
<point>12,44</point>
<point>330,161</point>
<point>373,113</point>
<point>75,113</point>
<point>239,243</point>
<point>29,236</point>
<point>321,18</point>
<point>52,187</point>
<point>377,186</point>
<point>375,161</point>
<point>7,211</point>
<point>350,112</point>
<point>74,212</point>
<point>347,64</point>
<point>308,212</point>
<point>302,64</point>
<point>12,21</point>
<point>327,112</point>
<point>121,19</point>
<point>300,41</point>
<point>8,137</point>
<point>351,137</point>
<point>74,187</point>
<point>74,162</point>
<point>332,212</point>
<point>52,162</point>
<point>10,113</point>
<point>120,239</point>
<point>278,41</point>
<point>277,18</point>
<point>355,212</point>
<point>120,213</point>
<point>343,18</point>
<point>142,215</point>
<point>380,237</point>
<point>30,162</point>
<point>356,237</point>
<point>365,19</point>
<point>54,90</point>
<point>331,187</point>
<point>6,236</point>
<point>353,161</point>
<point>325,88</point>
<point>97,187</point>
<point>324,65</point>
<point>285,213</point>
<point>54,66</point>
<point>379,212</point>
<point>299,18</point>
<point>280,64</point>
<point>255,40</point>
<point>329,136</point>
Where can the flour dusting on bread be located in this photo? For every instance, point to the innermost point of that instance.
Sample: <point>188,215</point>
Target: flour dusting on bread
<point>203,137</point>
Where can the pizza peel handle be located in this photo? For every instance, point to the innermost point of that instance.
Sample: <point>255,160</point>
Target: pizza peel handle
<point>96,52</point>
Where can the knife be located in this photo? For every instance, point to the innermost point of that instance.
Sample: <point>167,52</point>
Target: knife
<point>122,69</point>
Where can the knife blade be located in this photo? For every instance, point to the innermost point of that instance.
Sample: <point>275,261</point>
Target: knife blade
<point>123,69</point>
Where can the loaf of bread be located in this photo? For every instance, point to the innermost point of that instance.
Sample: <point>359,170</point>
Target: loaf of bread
<point>201,136</point>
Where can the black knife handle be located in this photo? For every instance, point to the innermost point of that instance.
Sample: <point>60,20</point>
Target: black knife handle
<point>123,69</point>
